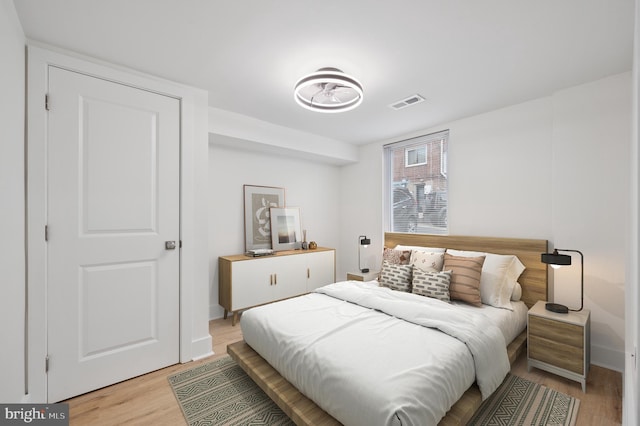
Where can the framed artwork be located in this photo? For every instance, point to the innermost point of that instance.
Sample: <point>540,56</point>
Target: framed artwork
<point>257,224</point>
<point>286,232</point>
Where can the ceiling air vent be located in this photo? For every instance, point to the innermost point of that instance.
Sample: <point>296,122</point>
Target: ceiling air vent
<point>411,100</point>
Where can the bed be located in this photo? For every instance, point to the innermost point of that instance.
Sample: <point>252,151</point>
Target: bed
<point>374,308</point>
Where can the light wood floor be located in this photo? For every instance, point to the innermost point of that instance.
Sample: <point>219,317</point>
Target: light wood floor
<point>149,399</point>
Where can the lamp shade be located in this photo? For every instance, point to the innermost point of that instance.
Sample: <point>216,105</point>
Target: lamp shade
<point>555,258</point>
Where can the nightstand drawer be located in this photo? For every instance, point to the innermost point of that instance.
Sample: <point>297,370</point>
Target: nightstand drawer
<point>562,333</point>
<point>552,352</point>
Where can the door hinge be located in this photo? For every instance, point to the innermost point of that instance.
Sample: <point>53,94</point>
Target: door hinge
<point>46,102</point>
<point>46,232</point>
<point>180,244</point>
<point>46,364</point>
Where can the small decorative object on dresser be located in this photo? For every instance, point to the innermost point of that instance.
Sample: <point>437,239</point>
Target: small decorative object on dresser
<point>286,232</point>
<point>559,342</point>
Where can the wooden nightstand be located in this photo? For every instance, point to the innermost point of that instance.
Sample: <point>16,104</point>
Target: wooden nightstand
<point>362,276</point>
<point>559,343</point>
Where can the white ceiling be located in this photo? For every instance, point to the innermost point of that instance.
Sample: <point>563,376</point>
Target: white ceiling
<point>465,57</point>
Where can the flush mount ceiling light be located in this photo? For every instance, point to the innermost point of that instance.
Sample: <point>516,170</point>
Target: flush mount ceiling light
<point>328,90</point>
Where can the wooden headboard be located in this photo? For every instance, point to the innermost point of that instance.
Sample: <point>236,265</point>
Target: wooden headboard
<point>533,280</point>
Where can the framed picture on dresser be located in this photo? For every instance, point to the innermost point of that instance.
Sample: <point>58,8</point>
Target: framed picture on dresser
<point>286,231</point>
<point>258,200</point>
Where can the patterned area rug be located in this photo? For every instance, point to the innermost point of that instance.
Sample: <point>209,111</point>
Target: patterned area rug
<point>220,393</point>
<point>520,402</point>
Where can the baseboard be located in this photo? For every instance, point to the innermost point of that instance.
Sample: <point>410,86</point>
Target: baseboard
<point>630,410</point>
<point>215,312</point>
<point>201,348</point>
<point>607,358</point>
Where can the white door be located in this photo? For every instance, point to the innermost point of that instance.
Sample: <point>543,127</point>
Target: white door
<point>112,201</point>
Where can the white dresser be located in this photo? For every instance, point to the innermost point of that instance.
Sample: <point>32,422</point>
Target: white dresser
<point>246,281</point>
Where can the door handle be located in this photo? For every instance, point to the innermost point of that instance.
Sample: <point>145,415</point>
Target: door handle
<point>170,245</point>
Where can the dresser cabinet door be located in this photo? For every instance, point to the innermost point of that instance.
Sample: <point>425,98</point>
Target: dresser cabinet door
<point>320,269</point>
<point>252,283</point>
<point>290,276</point>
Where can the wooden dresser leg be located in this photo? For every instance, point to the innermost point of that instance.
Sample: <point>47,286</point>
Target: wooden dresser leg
<point>234,319</point>
<point>225,314</point>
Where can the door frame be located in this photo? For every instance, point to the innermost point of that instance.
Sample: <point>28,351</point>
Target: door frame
<point>195,341</point>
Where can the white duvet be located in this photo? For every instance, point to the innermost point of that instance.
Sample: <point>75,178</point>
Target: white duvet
<point>372,356</point>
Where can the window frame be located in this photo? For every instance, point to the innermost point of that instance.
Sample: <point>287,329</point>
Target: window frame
<point>406,156</point>
<point>437,179</point>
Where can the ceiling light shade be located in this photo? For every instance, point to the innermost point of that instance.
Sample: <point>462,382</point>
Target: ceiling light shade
<point>328,90</point>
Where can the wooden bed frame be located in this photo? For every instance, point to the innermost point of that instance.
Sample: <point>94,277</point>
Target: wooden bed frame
<point>533,280</point>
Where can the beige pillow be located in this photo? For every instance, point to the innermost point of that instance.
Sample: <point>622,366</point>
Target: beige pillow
<point>465,278</point>
<point>396,257</point>
<point>431,284</point>
<point>498,279</point>
<point>396,277</point>
<point>427,261</point>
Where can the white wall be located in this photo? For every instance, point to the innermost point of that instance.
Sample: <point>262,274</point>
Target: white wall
<point>313,187</point>
<point>499,175</point>
<point>504,168</point>
<point>590,162</point>
<point>361,200</point>
<point>12,250</point>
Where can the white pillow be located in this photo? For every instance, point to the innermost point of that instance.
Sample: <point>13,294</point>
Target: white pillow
<point>517,292</point>
<point>513,273</point>
<point>499,275</point>
<point>428,249</point>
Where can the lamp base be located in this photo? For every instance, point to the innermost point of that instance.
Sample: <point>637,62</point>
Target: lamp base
<point>365,270</point>
<point>557,308</point>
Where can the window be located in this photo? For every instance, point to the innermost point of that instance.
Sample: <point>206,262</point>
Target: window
<point>415,156</point>
<point>416,184</point>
